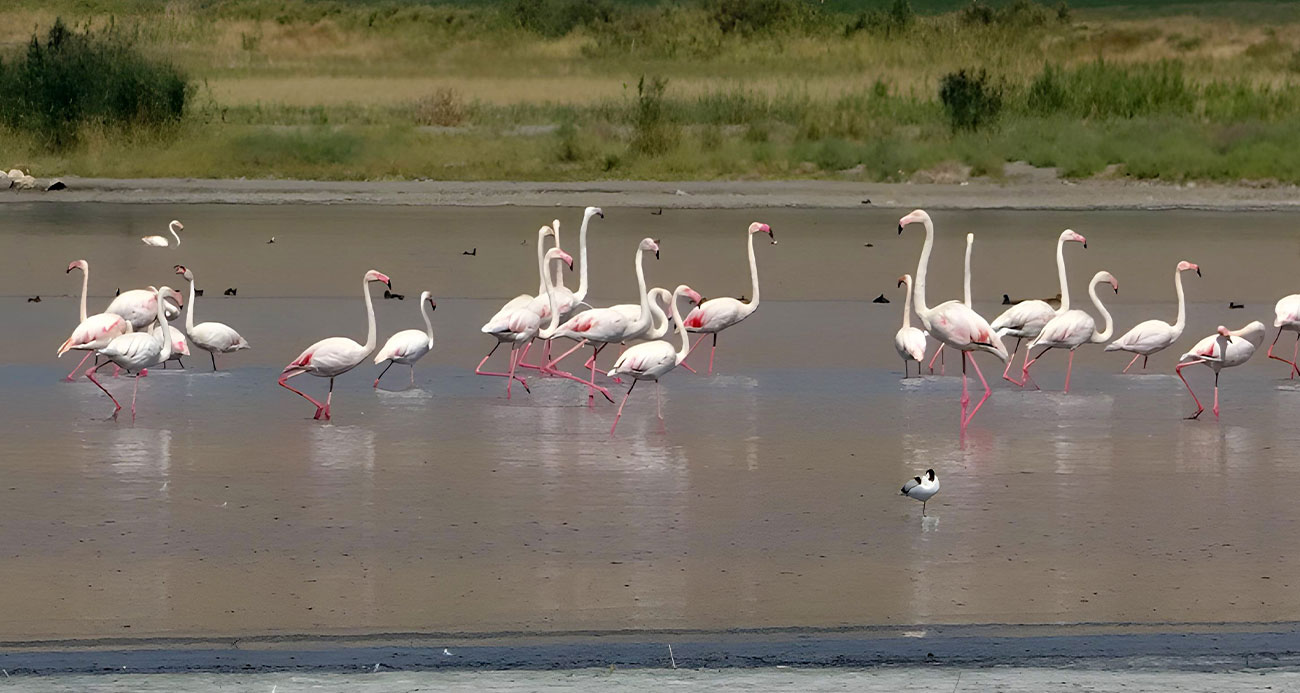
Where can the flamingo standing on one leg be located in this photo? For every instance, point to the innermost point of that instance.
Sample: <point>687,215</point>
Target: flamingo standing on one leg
<point>93,332</point>
<point>1025,320</point>
<point>1146,338</point>
<point>1073,328</point>
<point>520,326</point>
<point>1287,311</point>
<point>1224,349</point>
<point>212,337</point>
<point>717,314</point>
<point>334,356</point>
<point>408,346</point>
<point>135,352</point>
<point>951,322</point>
<point>938,353</point>
<point>652,360</point>
<point>909,342</point>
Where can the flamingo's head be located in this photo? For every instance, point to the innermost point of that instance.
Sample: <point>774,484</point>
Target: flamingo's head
<point>1223,331</point>
<point>166,292</point>
<point>176,225</point>
<point>650,244</point>
<point>693,295</point>
<point>1185,265</point>
<point>428,296</point>
<point>760,227</point>
<point>184,272</point>
<point>554,253</point>
<point>1107,277</point>
<point>79,264</point>
<point>905,279</point>
<point>593,211</point>
<point>916,215</point>
<point>377,276</point>
<point>1070,236</point>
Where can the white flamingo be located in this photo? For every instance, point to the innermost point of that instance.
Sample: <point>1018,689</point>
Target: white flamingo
<point>1027,318</point>
<point>1224,349</point>
<point>520,326</point>
<point>408,346</point>
<point>909,341</point>
<point>1148,337</point>
<point>1287,312</point>
<point>717,314</point>
<point>180,345</point>
<point>565,299</point>
<point>139,307</point>
<point>161,241</point>
<point>652,360</point>
<point>1072,329</point>
<point>93,332</point>
<point>212,337</point>
<point>133,353</point>
<point>938,353</point>
<point>334,356</point>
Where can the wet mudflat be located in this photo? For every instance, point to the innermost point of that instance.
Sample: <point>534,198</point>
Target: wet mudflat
<point>770,499</point>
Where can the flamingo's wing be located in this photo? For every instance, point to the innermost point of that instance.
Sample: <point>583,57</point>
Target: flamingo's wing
<point>1027,318</point>
<point>1149,336</point>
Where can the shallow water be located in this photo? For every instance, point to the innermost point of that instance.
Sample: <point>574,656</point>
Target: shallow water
<point>771,499</point>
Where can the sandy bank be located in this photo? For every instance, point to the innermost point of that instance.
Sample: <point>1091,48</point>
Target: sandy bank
<point>1031,194</point>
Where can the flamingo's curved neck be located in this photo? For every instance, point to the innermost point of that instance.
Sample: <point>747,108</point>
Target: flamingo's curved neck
<point>174,235</point>
<point>370,315</point>
<point>922,309</point>
<point>1110,324</point>
<point>428,321</point>
<point>1181,322</point>
<point>681,324</point>
<point>753,278</point>
<point>907,304</point>
<point>550,299</point>
<point>164,333</point>
<point>85,285</point>
<point>559,264</point>
<point>189,310</point>
<point>541,252</point>
<point>581,295</point>
<point>970,241</point>
<point>643,322</point>
<point>1060,273</point>
<point>658,318</point>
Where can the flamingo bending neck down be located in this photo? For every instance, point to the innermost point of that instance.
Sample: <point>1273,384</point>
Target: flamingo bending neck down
<point>334,356</point>
<point>951,322</point>
<point>135,352</point>
<point>520,326</point>
<point>1072,329</point>
<point>1287,312</point>
<point>1150,336</point>
<point>161,241</point>
<point>909,342</point>
<point>938,353</point>
<point>717,314</point>
<point>93,332</point>
<point>1025,320</point>
<point>212,337</point>
<point>652,360</point>
<point>1224,349</point>
<point>408,346</point>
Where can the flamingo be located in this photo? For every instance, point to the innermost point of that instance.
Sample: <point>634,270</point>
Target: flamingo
<point>134,352</point>
<point>1224,349</point>
<point>938,353</point>
<point>523,300</point>
<point>1072,329</point>
<point>1287,311</point>
<point>909,342</point>
<point>922,488</point>
<point>717,314</point>
<point>180,345</point>
<point>521,325</point>
<point>408,346</point>
<point>93,332</point>
<point>1146,338</point>
<point>602,327</point>
<point>139,307</point>
<point>334,356</point>
<point>1025,320</point>
<point>565,299</point>
<point>161,241</point>
<point>212,337</point>
<point>951,322</point>
<point>651,360</point>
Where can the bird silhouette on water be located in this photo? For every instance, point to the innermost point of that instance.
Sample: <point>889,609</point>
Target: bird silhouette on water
<point>471,253</point>
<point>232,291</point>
<point>880,299</point>
<point>34,299</point>
<point>389,294</point>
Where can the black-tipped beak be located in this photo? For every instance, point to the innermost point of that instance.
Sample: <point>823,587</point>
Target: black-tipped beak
<point>67,270</point>
<point>1198,271</point>
<point>432,305</point>
<point>900,229</point>
<point>772,235</point>
<point>1085,245</point>
<point>600,214</point>
<point>656,254</point>
<point>389,284</point>
<point>900,282</point>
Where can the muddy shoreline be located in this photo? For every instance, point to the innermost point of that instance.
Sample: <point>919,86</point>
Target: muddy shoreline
<point>1053,194</point>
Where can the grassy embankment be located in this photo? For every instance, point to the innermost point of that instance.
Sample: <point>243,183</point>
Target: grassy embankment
<point>733,88</point>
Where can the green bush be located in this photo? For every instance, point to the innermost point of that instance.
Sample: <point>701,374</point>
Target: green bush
<point>756,16</point>
<point>1102,89</point>
<point>971,99</point>
<point>649,122</point>
<point>555,18</point>
<point>74,79</point>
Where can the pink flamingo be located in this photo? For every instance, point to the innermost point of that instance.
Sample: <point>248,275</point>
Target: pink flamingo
<point>520,326</point>
<point>909,342</point>
<point>938,353</point>
<point>334,356</point>
<point>1072,329</point>
<point>212,337</point>
<point>134,352</point>
<point>604,326</point>
<point>140,307</point>
<point>951,322</point>
<point>1146,338</point>
<point>1287,311</point>
<point>651,360</point>
<point>1026,319</point>
<point>408,346</point>
<point>93,332</point>
<point>1224,349</point>
<point>717,314</point>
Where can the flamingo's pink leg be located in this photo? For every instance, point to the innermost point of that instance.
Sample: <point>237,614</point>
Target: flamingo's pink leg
<point>692,349</point>
<point>1069,366</point>
<point>932,359</point>
<point>965,395</point>
<point>1179,370</point>
<point>319,407</point>
<point>1295,362</point>
<point>1024,372</point>
<point>659,401</point>
<point>988,391</point>
<point>1130,364</point>
<point>413,375</point>
<point>1216,394</point>
<point>1011,359</point>
<point>510,380</point>
<point>550,365</point>
<point>134,389</point>
<point>713,352</point>
<point>91,375</point>
<point>1293,370</point>
<point>620,406</point>
<point>79,365</point>
<point>328,398</point>
<point>591,395</point>
<point>479,369</point>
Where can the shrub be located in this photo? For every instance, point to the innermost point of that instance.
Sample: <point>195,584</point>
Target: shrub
<point>555,18</point>
<point>971,99</point>
<point>977,13</point>
<point>648,119</point>
<point>443,107</point>
<point>1102,89</point>
<point>755,16</point>
<point>897,18</point>
<point>74,79</point>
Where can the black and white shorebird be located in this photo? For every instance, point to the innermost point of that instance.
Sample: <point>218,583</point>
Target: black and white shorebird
<point>922,488</point>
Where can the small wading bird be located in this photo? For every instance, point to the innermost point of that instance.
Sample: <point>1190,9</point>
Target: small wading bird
<point>408,346</point>
<point>1025,320</point>
<point>93,332</point>
<point>922,488</point>
<point>334,356</point>
<point>1146,338</point>
<point>1287,311</point>
<point>1072,329</point>
<point>212,337</point>
<point>135,352</point>
<point>909,342</point>
<point>1225,349</point>
<point>161,241</point>
<point>652,360</point>
<point>717,314</point>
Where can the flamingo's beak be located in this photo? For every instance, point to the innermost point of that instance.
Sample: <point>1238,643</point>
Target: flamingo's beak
<point>432,305</point>
<point>900,228</point>
<point>1198,271</point>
